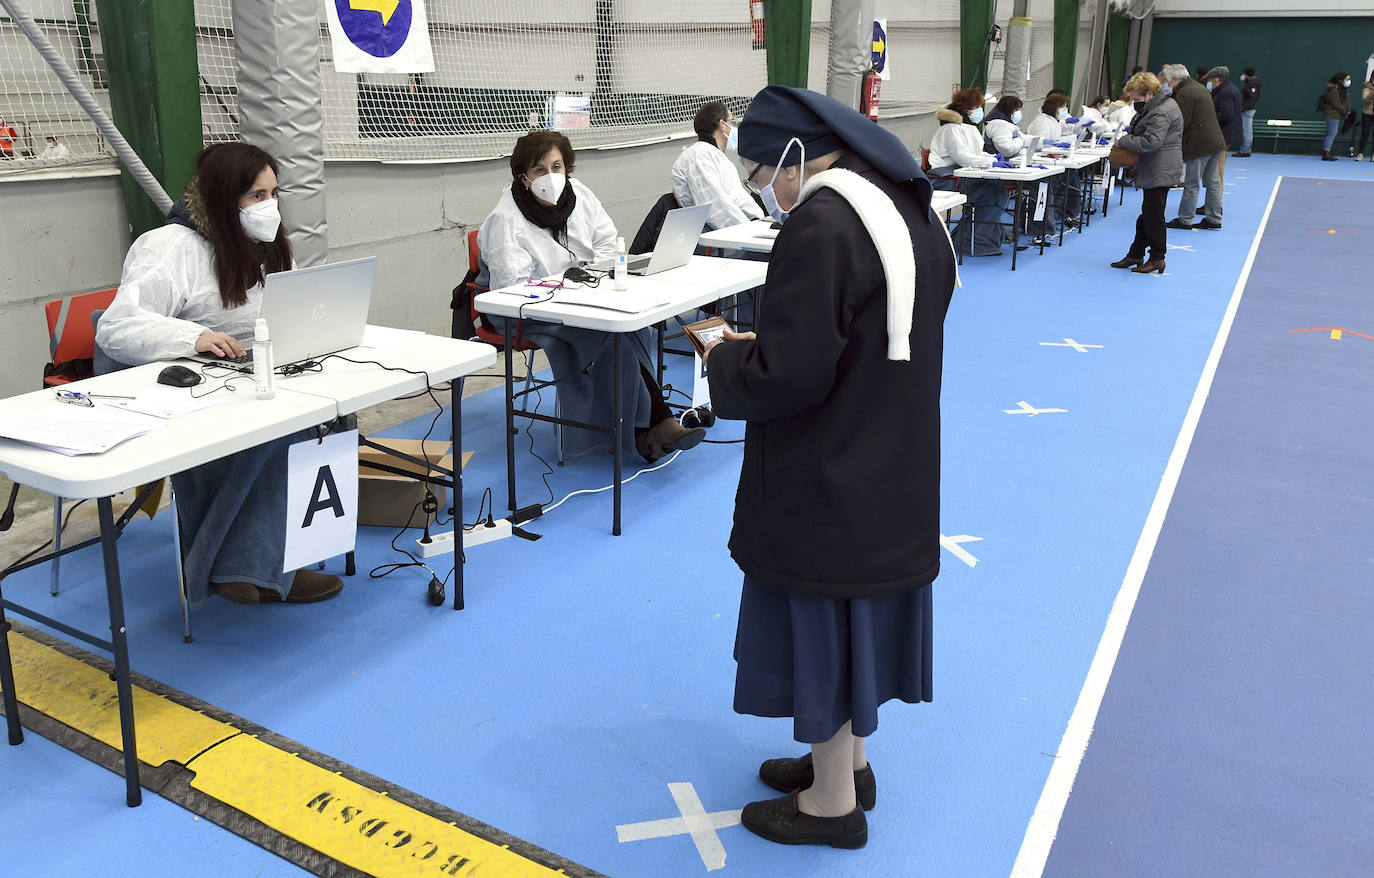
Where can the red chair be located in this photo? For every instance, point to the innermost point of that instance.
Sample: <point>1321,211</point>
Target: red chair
<point>71,336</point>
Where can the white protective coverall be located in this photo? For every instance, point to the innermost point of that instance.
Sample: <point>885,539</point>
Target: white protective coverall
<point>703,174</point>
<point>169,295</point>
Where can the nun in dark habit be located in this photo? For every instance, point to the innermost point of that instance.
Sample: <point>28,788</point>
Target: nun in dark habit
<point>836,524</point>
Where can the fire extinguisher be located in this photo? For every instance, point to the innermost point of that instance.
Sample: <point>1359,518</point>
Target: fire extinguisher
<point>756,23</point>
<point>873,84</point>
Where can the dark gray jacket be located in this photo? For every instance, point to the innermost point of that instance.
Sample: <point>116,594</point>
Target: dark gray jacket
<point>1227,99</point>
<point>1157,134</point>
<point>1201,131</point>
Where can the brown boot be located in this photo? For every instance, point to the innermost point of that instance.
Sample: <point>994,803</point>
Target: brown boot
<point>1127,261</point>
<point>310,586</point>
<point>244,593</point>
<point>668,435</point>
<point>1147,267</point>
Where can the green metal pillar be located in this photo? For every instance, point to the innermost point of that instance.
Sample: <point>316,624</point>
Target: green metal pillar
<point>975,53</point>
<point>1066,13</point>
<point>150,60</point>
<point>787,36</point>
<point>1118,34</point>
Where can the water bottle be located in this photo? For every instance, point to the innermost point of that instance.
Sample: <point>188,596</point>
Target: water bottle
<point>263,381</point>
<point>622,265</point>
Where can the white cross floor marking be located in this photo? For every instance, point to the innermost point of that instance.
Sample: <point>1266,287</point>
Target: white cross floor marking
<point>694,821</point>
<point>958,551</point>
<point>1070,343</point>
<point>1188,248</point>
<point>1026,408</point>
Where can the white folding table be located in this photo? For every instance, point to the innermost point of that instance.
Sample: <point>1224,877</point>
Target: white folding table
<point>238,422</point>
<point>1020,177</point>
<point>756,236</point>
<point>703,279</point>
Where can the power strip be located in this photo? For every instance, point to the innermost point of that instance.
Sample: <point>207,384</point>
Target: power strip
<point>442,543</point>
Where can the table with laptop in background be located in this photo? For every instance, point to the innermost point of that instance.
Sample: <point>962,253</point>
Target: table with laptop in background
<point>676,282</point>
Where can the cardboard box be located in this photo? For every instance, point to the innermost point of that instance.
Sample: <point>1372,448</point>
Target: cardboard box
<point>386,499</point>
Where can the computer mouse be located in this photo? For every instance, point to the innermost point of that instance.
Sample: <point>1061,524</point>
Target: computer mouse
<point>178,376</point>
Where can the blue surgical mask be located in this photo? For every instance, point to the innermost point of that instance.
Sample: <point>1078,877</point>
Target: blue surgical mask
<point>1063,113</point>
<point>1209,86</point>
<point>732,142</point>
<point>1168,89</point>
<point>769,196</point>
<point>1016,118</point>
<point>1347,83</point>
<point>976,116</point>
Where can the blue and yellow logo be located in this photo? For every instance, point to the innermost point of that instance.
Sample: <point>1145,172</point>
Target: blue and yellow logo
<point>378,27</point>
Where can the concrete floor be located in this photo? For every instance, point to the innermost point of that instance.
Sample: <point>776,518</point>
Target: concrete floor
<point>33,510</point>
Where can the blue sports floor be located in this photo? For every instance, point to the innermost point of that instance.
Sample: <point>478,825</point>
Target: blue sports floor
<point>589,672</point>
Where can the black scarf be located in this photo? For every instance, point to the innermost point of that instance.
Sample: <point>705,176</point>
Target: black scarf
<point>555,218</point>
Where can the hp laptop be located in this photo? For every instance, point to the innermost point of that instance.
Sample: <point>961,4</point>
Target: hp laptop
<point>1032,146</point>
<point>311,312</point>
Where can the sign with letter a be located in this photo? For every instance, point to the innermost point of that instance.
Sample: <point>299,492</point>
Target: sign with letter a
<point>321,499</point>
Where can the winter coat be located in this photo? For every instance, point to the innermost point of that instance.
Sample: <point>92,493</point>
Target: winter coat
<point>957,142</point>
<point>1157,134</point>
<point>1201,132</point>
<point>1227,101</point>
<point>1250,93</point>
<point>1335,101</point>
<point>839,490</point>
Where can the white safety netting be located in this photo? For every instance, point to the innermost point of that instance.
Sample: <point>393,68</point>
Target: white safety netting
<point>35,105</point>
<point>607,72</point>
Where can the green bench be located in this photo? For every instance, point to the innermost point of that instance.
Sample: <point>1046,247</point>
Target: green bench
<point>1290,129</point>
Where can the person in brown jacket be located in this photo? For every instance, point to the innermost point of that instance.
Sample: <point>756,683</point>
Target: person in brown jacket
<point>1335,106</point>
<point>1203,146</point>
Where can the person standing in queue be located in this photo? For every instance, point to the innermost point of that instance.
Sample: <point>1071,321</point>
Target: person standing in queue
<point>836,523</point>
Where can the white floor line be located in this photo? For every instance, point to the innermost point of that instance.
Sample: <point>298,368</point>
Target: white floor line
<point>1044,822</point>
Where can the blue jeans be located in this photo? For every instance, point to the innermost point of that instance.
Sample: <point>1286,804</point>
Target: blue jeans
<point>1247,128</point>
<point>1332,126</point>
<point>233,519</point>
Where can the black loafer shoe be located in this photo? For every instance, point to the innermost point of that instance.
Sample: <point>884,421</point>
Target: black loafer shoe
<point>1208,224</point>
<point>795,775</point>
<point>1177,224</point>
<point>780,820</point>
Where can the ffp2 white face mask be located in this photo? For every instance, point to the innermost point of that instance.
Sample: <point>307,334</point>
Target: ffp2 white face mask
<point>260,221</point>
<point>549,187</point>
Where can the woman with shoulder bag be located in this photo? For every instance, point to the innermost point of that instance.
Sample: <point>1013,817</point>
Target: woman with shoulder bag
<point>1156,136</point>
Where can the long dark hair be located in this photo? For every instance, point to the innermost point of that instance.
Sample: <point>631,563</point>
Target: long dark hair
<point>224,173</point>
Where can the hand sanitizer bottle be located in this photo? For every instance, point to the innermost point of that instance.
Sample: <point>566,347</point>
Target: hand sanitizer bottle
<point>622,266</point>
<point>263,381</point>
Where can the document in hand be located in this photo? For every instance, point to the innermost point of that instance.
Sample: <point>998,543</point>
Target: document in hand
<point>72,430</point>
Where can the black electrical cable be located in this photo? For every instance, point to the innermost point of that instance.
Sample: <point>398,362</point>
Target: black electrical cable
<point>27,555</point>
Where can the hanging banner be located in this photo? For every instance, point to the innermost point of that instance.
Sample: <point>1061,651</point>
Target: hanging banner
<point>880,49</point>
<point>380,36</point>
<point>321,499</point>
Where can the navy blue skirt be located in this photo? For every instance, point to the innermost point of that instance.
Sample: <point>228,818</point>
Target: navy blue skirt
<point>827,661</point>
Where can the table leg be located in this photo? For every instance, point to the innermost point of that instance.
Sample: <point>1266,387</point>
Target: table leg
<point>455,388</point>
<point>510,424</point>
<point>7,682</point>
<point>1015,224</point>
<point>1106,189</point>
<point>133,795</point>
<point>619,418</point>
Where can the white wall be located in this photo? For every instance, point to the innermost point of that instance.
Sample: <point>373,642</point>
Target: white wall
<point>1263,8</point>
<point>68,235</point>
